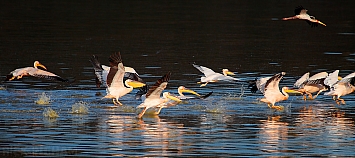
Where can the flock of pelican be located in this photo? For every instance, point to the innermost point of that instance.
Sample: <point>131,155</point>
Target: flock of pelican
<point>120,80</point>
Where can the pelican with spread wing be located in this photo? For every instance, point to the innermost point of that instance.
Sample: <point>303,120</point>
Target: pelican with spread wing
<point>101,72</point>
<point>211,76</point>
<point>153,98</point>
<point>301,13</point>
<point>340,88</point>
<point>33,71</point>
<point>116,88</point>
<point>269,86</point>
<point>307,85</point>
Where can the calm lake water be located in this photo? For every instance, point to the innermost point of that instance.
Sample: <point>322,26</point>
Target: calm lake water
<point>247,37</point>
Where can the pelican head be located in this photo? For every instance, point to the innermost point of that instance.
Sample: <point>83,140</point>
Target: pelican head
<point>227,72</point>
<point>183,89</point>
<point>134,84</point>
<point>38,64</point>
<point>167,95</point>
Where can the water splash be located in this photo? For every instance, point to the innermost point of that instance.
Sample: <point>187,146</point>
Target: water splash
<point>2,88</point>
<point>231,96</point>
<point>50,113</point>
<point>80,108</point>
<point>43,99</point>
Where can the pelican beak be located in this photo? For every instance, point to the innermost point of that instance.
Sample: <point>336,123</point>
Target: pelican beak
<point>171,97</point>
<point>322,23</point>
<point>292,91</point>
<point>40,65</point>
<point>230,73</point>
<point>136,84</point>
<point>185,90</point>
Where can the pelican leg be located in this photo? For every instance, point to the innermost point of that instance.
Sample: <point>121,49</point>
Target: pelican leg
<point>202,85</point>
<point>158,112</point>
<point>19,77</point>
<point>310,96</point>
<point>277,107</point>
<point>304,97</point>
<point>142,113</point>
<point>318,94</point>
<point>12,78</point>
<point>116,102</point>
<point>341,100</point>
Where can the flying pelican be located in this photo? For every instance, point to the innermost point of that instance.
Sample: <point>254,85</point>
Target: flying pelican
<point>33,71</point>
<point>301,13</point>
<point>269,86</point>
<point>340,88</point>
<point>153,98</point>
<point>116,88</point>
<point>308,85</point>
<point>211,76</point>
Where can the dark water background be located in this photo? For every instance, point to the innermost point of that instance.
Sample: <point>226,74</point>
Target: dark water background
<point>247,37</point>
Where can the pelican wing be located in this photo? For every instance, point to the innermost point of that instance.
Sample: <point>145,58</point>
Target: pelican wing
<point>260,84</point>
<point>156,90</point>
<point>272,85</point>
<point>100,72</point>
<point>44,74</point>
<point>332,78</point>
<point>206,71</point>
<point>302,80</point>
<point>313,24</point>
<point>300,10</point>
<point>116,74</point>
<point>195,97</point>
<point>348,79</point>
<point>318,78</point>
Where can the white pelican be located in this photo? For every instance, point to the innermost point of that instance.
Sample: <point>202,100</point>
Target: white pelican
<point>301,13</point>
<point>307,85</point>
<point>153,98</point>
<point>101,72</point>
<point>270,88</point>
<point>116,88</point>
<point>340,88</point>
<point>211,76</point>
<point>33,71</point>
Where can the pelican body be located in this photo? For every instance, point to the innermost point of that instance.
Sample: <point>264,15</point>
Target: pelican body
<point>153,98</point>
<point>340,88</point>
<point>211,76</point>
<point>307,85</point>
<point>270,88</point>
<point>301,13</point>
<point>116,87</point>
<point>33,71</point>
